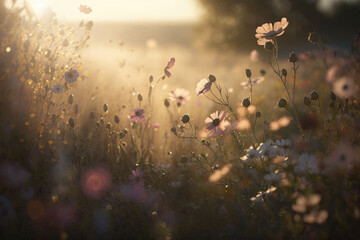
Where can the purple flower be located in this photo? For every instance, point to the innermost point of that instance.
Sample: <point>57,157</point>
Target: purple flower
<point>71,76</point>
<point>215,125</point>
<point>203,87</point>
<point>137,115</point>
<point>136,178</point>
<point>168,66</point>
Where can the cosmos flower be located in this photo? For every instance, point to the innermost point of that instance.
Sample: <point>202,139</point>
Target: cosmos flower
<point>137,115</point>
<point>341,159</point>
<point>267,32</point>
<point>203,86</point>
<point>96,182</point>
<point>71,76</point>
<point>168,66</point>
<point>180,95</point>
<point>257,80</point>
<point>344,87</point>
<point>57,88</point>
<point>215,125</point>
<point>306,163</point>
<point>85,9</point>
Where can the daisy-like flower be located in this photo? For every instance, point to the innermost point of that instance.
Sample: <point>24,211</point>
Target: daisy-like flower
<point>267,32</point>
<point>71,76</point>
<point>341,159</point>
<point>137,115</point>
<point>306,162</point>
<point>344,87</point>
<point>203,87</point>
<point>168,66</point>
<point>257,80</point>
<point>57,88</point>
<point>215,125</point>
<point>180,95</point>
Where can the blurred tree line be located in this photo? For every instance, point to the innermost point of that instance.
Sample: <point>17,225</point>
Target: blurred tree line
<point>232,23</point>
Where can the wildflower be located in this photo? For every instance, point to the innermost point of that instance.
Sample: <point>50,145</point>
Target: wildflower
<point>166,102</point>
<point>267,149</point>
<point>136,178</point>
<point>282,122</point>
<point>333,73</point>
<point>212,78</point>
<point>284,72</point>
<point>251,154</point>
<point>116,119</point>
<point>248,73</point>
<point>269,46</point>
<point>267,32</point>
<point>243,124</point>
<point>180,95</point>
<point>215,125</point>
<point>220,173</point>
<point>185,118</point>
<point>96,182</point>
<point>341,159</point>
<point>257,80</point>
<point>71,76</point>
<point>85,9</point>
<point>246,102</point>
<point>314,95</point>
<point>57,88</point>
<point>344,87</point>
<point>293,58</point>
<point>306,163</point>
<point>168,66</point>
<point>137,115</point>
<point>203,86</point>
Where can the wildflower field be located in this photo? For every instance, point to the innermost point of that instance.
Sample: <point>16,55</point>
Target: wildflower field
<point>104,138</point>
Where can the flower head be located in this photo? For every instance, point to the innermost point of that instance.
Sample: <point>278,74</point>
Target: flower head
<point>215,125</point>
<point>96,182</point>
<point>57,88</point>
<point>137,115</point>
<point>168,66</point>
<point>203,86</point>
<point>180,95</point>
<point>268,32</point>
<point>71,76</point>
<point>344,87</point>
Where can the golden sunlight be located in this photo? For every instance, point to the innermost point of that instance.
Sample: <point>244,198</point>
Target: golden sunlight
<point>125,11</point>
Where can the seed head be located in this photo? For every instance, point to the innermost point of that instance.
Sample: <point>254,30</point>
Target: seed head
<point>282,103</point>
<point>212,78</point>
<point>185,118</point>
<point>314,95</point>
<point>246,102</point>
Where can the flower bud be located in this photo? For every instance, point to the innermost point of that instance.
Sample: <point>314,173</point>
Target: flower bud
<point>151,78</point>
<point>282,103</point>
<point>307,101</point>
<point>314,95</point>
<point>293,58</point>
<point>212,78</point>
<point>71,99</point>
<point>116,119</point>
<point>173,130</point>
<point>258,115</point>
<point>284,72</point>
<point>269,46</point>
<point>262,72</point>
<point>106,107</point>
<point>108,125</point>
<point>166,102</point>
<point>246,102</point>
<point>333,96</point>
<point>139,96</point>
<point>71,122</point>
<point>185,118</point>
<point>248,73</point>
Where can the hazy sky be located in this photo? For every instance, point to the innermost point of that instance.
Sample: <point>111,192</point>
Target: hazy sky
<point>122,10</point>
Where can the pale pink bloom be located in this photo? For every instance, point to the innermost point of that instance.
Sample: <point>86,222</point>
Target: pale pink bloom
<point>267,32</point>
<point>71,76</point>
<point>345,87</point>
<point>96,182</point>
<point>203,86</point>
<point>258,80</point>
<point>168,66</point>
<point>243,124</point>
<point>254,56</point>
<point>137,115</point>
<point>215,125</point>
<point>180,95</point>
<point>333,73</point>
<point>282,122</point>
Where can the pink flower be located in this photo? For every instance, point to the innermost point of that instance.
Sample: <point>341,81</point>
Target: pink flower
<point>137,115</point>
<point>136,178</point>
<point>215,125</point>
<point>168,66</point>
<point>180,95</point>
<point>96,182</point>
<point>267,32</point>
<point>203,86</point>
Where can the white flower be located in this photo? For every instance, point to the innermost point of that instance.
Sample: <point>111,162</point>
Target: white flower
<point>57,88</point>
<point>268,32</point>
<point>266,149</point>
<point>250,154</point>
<point>306,163</point>
<point>344,87</point>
